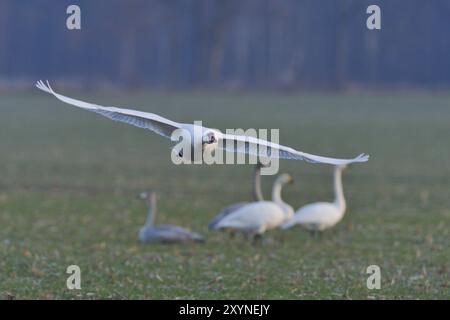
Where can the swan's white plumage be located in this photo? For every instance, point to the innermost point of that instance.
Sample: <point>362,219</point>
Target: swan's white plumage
<point>263,148</point>
<point>257,196</point>
<point>322,215</point>
<point>165,127</point>
<point>260,216</point>
<point>315,216</point>
<point>255,217</point>
<point>146,120</point>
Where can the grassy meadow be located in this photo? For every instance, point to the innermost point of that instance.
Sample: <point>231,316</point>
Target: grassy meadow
<point>69,180</point>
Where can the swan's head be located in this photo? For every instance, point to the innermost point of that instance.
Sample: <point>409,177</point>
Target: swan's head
<point>143,195</point>
<point>284,179</point>
<point>210,139</point>
<point>148,196</point>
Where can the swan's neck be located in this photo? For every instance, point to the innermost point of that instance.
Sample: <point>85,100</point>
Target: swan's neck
<point>276,197</point>
<point>151,212</point>
<point>257,192</point>
<point>276,192</point>
<point>339,199</point>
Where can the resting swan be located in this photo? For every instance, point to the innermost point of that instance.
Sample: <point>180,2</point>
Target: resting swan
<point>164,232</point>
<point>202,138</point>
<point>257,196</point>
<point>322,215</point>
<point>258,217</point>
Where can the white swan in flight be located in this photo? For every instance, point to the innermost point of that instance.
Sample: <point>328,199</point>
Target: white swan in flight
<point>209,139</point>
<point>257,196</point>
<point>258,217</point>
<point>322,215</point>
<point>165,232</point>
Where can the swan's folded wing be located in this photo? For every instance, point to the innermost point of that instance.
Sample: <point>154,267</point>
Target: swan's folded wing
<point>225,212</point>
<point>145,120</point>
<point>264,148</point>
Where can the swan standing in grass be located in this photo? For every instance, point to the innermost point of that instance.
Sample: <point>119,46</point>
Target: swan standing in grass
<point>322,215</point>
<point>202,138</point>
<point>165,232</point>
<point>257,196</point>
<point>258,217</point>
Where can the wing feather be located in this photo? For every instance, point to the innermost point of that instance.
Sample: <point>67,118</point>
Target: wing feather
<point>264,148</point>
<point>145,120</point>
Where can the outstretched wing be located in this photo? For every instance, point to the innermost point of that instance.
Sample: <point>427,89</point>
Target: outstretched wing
<point>145,120</point>
<point>264,148</point>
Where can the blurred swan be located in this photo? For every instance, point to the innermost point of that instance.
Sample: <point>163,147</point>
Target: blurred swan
<point>257,196</point>
<point>165,232</point>
<point>202,138</point>
<point>322,215</point>
<point>258,217</point>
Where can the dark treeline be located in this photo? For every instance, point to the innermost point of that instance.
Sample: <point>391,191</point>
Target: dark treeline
<point>228,43</point>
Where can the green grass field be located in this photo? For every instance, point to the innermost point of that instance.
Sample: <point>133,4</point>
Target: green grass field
<point>69,180</point>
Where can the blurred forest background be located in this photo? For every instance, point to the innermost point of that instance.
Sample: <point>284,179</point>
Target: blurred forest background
<point>245,44</point>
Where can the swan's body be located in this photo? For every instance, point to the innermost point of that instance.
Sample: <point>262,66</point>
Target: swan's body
<point>257,196</point>
<point>202,138</point>
<point>322,215</point>
<point>255,217</point>
<point>165,232</point>
<point>258,217</point>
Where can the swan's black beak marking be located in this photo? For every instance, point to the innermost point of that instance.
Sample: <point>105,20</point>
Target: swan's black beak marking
<point>180,154</point>
<point>211,138</point>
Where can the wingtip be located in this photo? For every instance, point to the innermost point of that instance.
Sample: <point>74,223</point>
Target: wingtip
<point>44,87</point>
<point>363,157</point>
